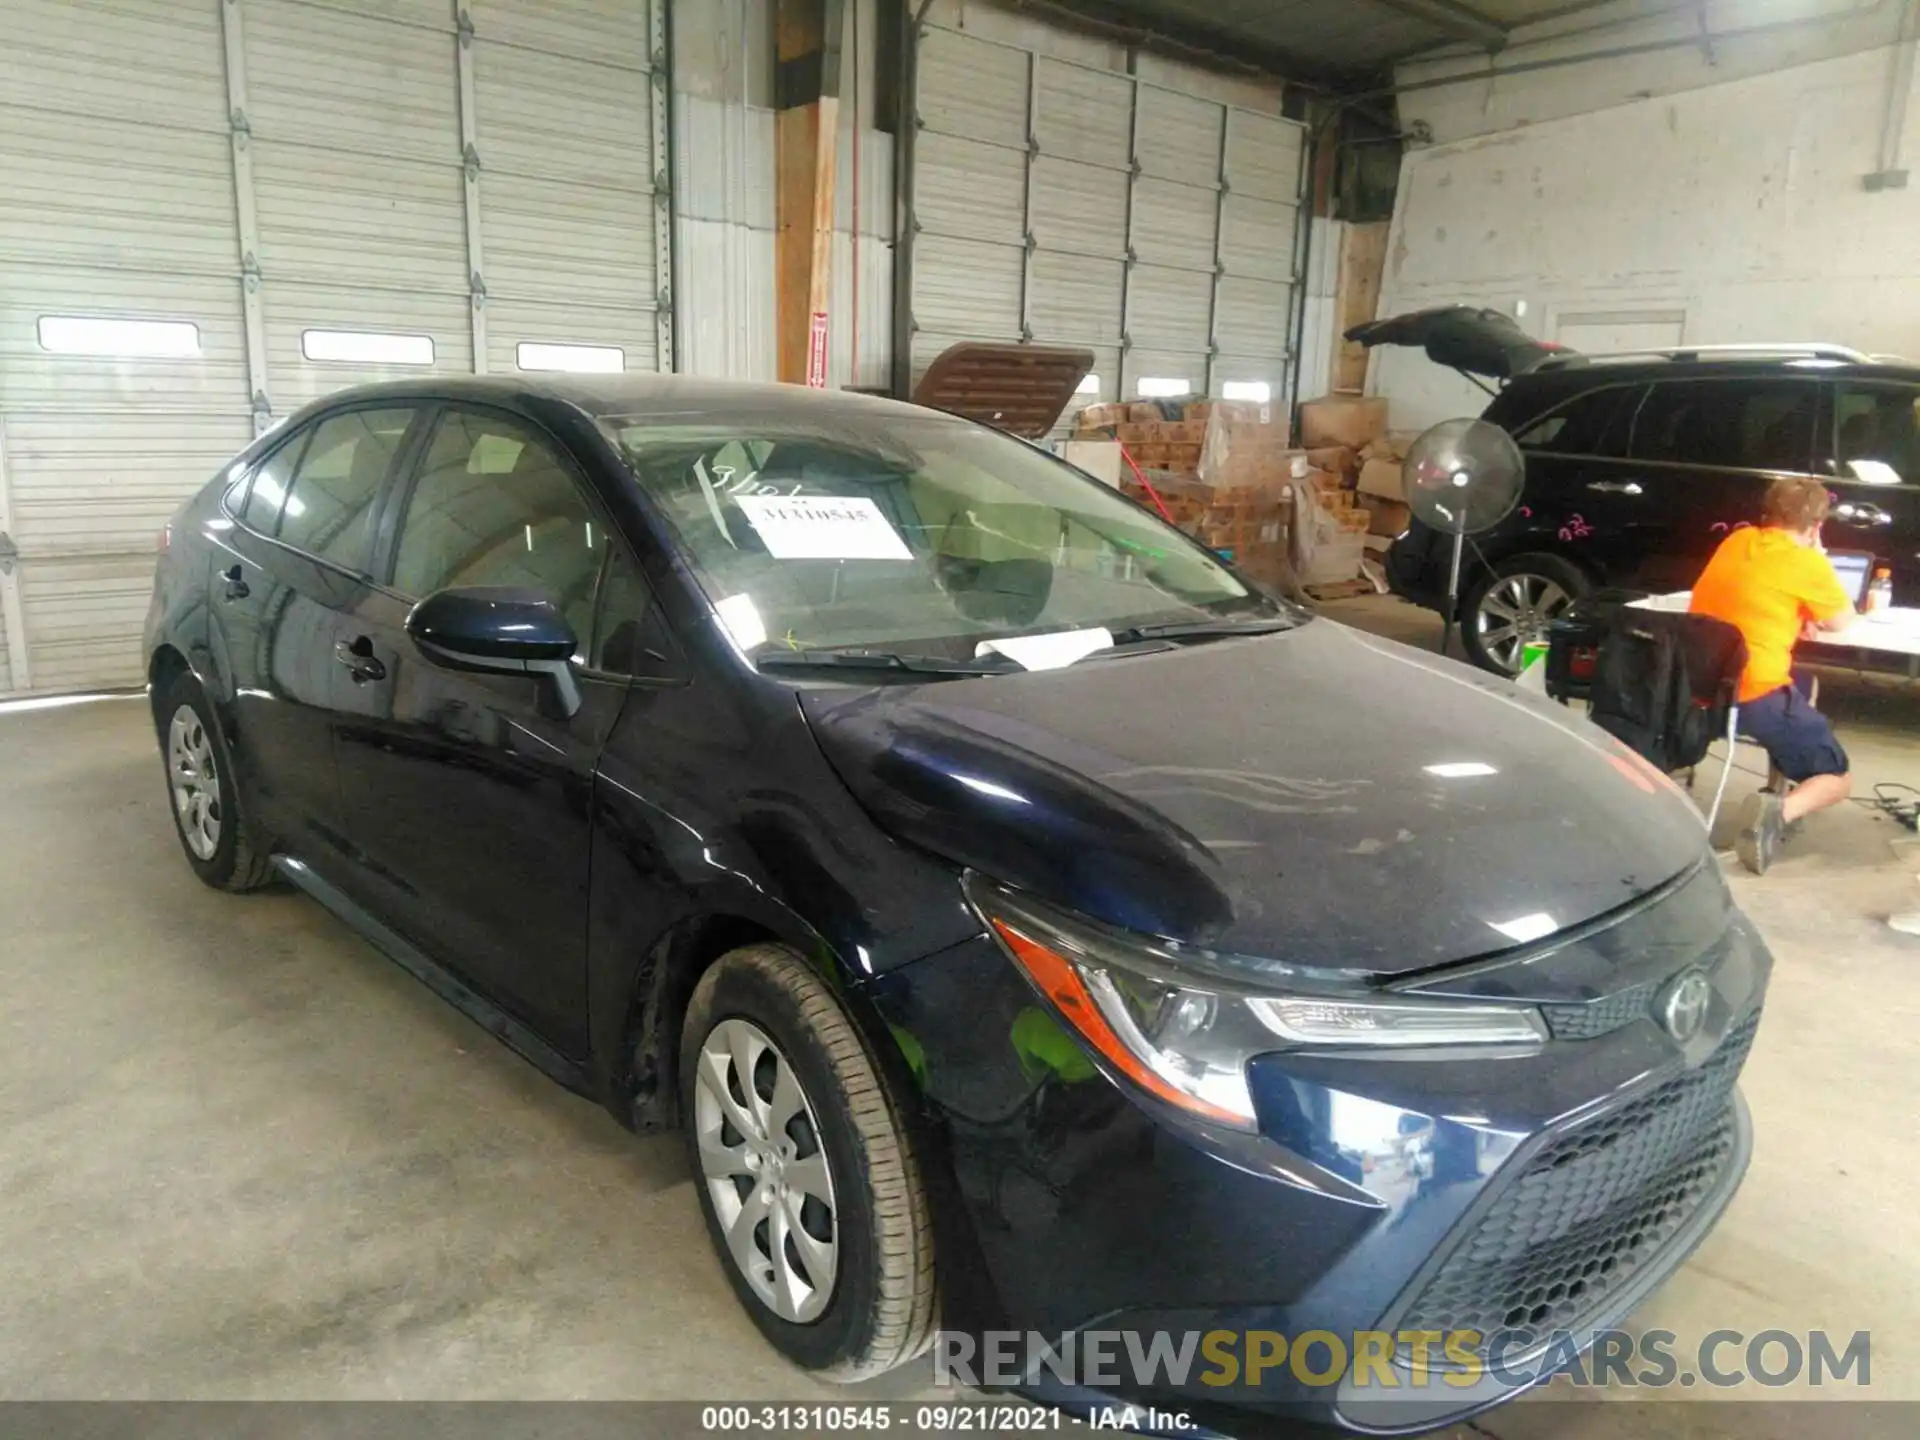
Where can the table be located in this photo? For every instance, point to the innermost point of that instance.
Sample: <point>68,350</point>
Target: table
<point>1893,631</point>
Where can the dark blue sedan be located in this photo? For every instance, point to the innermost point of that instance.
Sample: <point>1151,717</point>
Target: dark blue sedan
<point>1033,925</point>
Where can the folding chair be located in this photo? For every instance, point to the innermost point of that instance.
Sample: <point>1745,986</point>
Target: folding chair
<point>1667,685</point>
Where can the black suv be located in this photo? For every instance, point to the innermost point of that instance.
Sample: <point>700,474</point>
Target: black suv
<point>1638,464</point>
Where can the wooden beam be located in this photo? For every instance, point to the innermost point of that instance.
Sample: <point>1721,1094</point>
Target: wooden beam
<point>807,38</point>
<point>1363,265</point>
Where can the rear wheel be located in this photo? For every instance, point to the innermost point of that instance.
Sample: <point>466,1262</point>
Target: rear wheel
<point>806,1171</point>
<point>1511,606</point>
<point>222,844</point>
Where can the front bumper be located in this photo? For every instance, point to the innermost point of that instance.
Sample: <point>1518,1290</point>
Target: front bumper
<point>1521,1193</point>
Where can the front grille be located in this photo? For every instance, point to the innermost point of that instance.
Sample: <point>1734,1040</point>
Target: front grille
<point>1599,1017</point>
<point>1590,1208</point>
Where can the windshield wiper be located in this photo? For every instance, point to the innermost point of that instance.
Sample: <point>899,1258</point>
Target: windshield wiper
<point>881,660</point>
<point>1205,629</point>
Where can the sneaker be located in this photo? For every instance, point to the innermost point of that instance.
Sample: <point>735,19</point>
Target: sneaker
<point>1759,833</point>
<point>1907,923</point>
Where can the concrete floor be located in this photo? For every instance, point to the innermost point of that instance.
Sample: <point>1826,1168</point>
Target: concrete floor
<point>243,1156</point>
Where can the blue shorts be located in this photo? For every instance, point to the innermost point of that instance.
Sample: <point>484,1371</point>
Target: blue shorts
<point>1798,738</point>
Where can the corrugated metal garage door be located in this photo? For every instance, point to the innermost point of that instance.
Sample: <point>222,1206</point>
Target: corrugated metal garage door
<point>1063,204</point>
<point>216,212</point>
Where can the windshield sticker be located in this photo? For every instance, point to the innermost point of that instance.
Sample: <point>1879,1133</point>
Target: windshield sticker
<point>823,527</point>
<point>1049,652</point>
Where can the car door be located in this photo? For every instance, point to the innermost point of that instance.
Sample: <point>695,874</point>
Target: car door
<point>281,575</point>
<point>1700,457</point>
<point>1872,456</point>
<point>467,795</point>
<point>1575,453</point>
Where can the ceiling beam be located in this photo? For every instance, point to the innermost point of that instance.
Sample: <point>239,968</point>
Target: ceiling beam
<point>1460,21</point>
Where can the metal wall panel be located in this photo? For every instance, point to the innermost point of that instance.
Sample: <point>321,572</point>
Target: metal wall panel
<point>84,618</point>
<point>972,87</point>
<point>336,218</point>
<point>1174,224</point>
<point>969,189</point>
<point>552,322</point>
<point>607,33</point>
<point>1255,316</point>
<point>1266,156</point>
<point>260,168</point>
<point>1076,301</point>
<point>1258,236</point>
<point>1079,209</point>
<point>563,118</point>
<point>293,309</point>
<point>153,62</point>
<point>350,82</point>
<point>546,240</point>
<point>723,170</point>
<point>1114,210</point>
<point>1169,309</point>
<point>967,288</point>
<point>1180,137</point>
<point>1083,114</point>
<point>113,193</point>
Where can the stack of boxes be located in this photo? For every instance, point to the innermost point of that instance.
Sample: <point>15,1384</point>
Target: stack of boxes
<point>1221,468</point>
<point>1229,475</point>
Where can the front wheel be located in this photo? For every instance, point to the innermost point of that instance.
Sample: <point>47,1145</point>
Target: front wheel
<point>806,1169</point>
<point>1510,607</point>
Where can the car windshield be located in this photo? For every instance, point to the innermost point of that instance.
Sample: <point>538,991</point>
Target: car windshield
<point>924,536</point>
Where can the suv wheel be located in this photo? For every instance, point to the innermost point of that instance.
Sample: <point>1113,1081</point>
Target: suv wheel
<point>806,1170</point>
<point>1510,606</point>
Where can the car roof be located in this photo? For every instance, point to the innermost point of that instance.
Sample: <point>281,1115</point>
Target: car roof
<point>649,397</point>
<point>1585,372</point>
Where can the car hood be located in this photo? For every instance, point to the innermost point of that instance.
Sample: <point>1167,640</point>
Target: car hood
<point>1316,798</point>
<point>1461,337</point>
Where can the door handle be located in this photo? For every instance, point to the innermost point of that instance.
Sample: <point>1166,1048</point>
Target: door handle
<point>360,660</point>
<point>236,578</point>
<point>1616,487</point>
<point>1859,512</point>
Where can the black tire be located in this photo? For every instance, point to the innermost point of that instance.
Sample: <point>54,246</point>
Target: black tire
<point>1484,632</point>
<point>880,1307</point>
<point>240,860</point>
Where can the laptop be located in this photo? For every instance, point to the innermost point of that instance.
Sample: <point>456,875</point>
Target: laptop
<point>1855,568</point>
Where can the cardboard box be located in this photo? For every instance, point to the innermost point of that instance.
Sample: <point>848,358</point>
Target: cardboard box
<point>1335,458</point>
<point>1343,419</point>
<point>1099,458</point>
<point>1391,446</point>
<point>1390,517</point>
<point>1383,478</point>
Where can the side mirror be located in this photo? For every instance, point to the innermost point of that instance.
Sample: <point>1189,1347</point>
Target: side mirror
<point>500,630</point>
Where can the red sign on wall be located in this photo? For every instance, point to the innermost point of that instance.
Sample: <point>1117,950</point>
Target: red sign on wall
<point>817,351</point>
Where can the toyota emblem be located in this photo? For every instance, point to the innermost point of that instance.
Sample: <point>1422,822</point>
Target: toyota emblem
<point>1684,1010</point>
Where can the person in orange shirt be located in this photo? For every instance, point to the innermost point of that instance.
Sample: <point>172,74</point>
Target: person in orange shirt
<point>1777,586</point>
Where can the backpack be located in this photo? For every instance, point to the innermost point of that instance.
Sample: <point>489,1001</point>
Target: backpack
<point>1665,683</point>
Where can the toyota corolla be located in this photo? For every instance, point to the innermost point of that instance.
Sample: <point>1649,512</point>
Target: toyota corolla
<point>1032,924</point>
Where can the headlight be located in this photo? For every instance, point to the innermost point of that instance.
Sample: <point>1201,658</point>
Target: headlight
<point>1185,1037</point>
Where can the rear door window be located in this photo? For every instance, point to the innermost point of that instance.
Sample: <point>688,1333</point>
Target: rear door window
<point>1877,433</point>
<point>1740,424</point>
<point>329,507</point>
<point>1591,424</point>
<point>267,492</point>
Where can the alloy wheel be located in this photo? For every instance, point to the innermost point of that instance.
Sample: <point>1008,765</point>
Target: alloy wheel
<point>766,1171</point>
<point>1515,613</point>
<point>196,782</point>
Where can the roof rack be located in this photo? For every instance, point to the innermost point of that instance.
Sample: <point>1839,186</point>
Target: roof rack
<point>1794,351</point>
